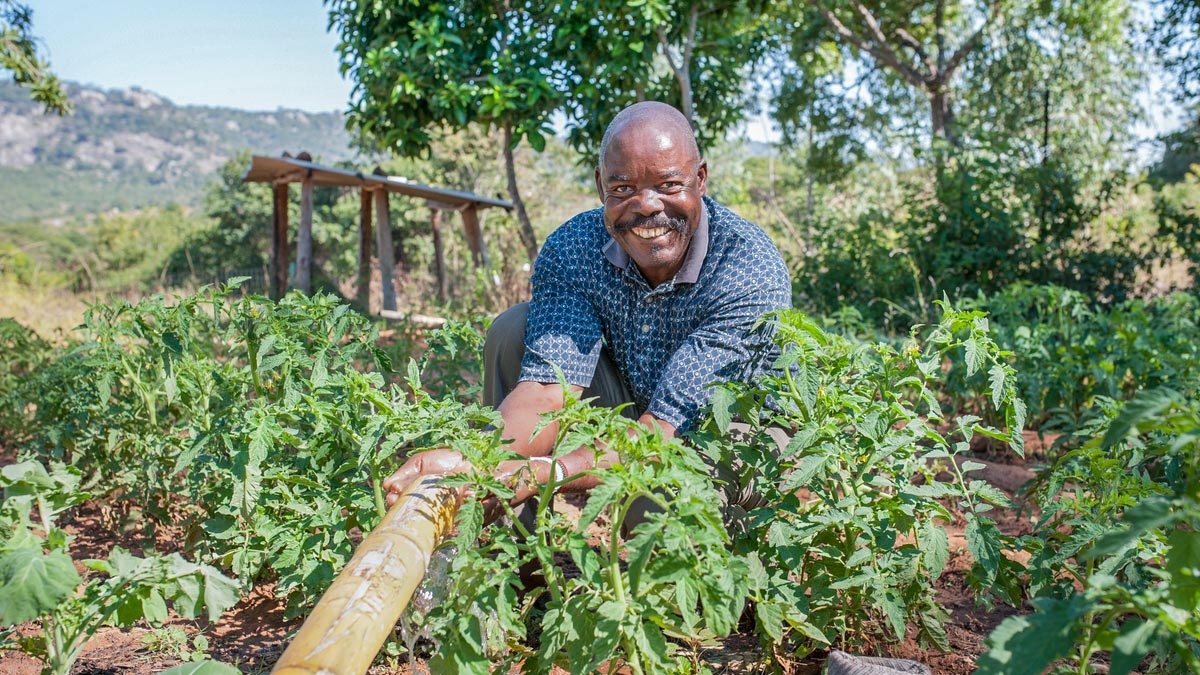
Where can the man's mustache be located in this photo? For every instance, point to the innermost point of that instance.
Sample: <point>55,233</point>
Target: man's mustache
<point>680,225</point>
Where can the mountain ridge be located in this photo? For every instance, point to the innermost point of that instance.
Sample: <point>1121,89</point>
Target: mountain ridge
<point>133,148</point>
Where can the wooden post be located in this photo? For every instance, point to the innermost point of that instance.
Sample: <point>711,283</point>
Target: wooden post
<point>439,255</point>
<point>304,237</point>
<point>279,242</point>
<point>383,244</point>
<point>364,250</point>
<point>479,255</point>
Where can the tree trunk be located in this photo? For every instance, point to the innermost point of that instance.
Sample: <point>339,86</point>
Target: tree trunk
<point>526,228</point>
<point>942,117</point>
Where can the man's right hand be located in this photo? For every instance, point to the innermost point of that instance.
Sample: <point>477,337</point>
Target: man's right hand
<point>439,461</point>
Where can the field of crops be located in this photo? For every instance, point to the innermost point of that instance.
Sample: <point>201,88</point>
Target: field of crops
<point>1010,488</point>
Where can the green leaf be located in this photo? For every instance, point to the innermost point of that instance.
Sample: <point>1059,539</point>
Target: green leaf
<point>770,618</point>
<point>1183,562</point>
<point>722,400</point>
<point>1145,406</point>
<point>202,586</point>
<point>536,140</point>
<point>935,548</point>
<point>1135,641</point>
<point>974,355</point>
<point>983,541</point>
<point>1027,645</point>
<point>1152,513</point>
<point>996,378</point>
<point>205,667</point>
<point>33,583</point>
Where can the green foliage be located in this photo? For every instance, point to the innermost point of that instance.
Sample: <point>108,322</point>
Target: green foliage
<point>19,55</point>
<point>1176,38</point>
<point>846,541</point>
<point>1070,352</point>
<point>693,55</point>
<point>202,668</point>
<point>1131,544</point>
<point>38,579</point>
<point>672,577</point>
<point>422,66</point>
<point>263,429</point>
<point>1181,153</point>
<point>173,641</point>
<point>1178,208</point>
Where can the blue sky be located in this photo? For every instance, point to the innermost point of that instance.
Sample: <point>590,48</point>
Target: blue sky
<point>251,54</point>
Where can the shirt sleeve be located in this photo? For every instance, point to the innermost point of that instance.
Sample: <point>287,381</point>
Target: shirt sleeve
<point>563,329</point>
<point>726,346</point>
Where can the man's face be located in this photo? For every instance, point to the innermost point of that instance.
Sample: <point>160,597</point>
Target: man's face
<point>651,183</point>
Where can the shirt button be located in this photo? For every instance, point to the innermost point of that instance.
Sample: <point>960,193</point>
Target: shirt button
<point>645,328</point>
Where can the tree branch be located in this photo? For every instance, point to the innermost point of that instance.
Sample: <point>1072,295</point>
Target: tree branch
<point>939,21</point>
<point>691,37</point>
<point>959,54</point>
<point>666,47</point>
<point>883,56</point>
<point>911,42</point>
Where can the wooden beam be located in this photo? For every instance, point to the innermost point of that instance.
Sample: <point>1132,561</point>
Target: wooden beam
<point>383,245</point>
<point>478,246</point>
<point>439,255</point>
<point>279,241</point>
<point>363,284</point>
<point>303,278</point>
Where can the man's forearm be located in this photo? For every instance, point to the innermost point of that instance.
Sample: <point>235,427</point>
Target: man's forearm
<point>581,460</point>
<point>522,411</point>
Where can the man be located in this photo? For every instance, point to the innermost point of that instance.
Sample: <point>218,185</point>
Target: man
<point>649,299</point>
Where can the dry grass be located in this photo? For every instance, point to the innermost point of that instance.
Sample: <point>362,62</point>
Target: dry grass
<point>51,313</point>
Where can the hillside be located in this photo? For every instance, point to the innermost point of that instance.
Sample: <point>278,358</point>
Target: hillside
<point>132,148</point>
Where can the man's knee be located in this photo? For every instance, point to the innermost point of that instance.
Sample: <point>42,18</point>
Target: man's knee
<point>503,349</point>
<point>507,333</point>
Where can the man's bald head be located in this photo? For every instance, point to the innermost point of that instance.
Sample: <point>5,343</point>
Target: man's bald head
<point>660,116</point>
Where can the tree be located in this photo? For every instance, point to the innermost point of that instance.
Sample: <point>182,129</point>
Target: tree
<point>915,41</point>
<point>421,66</point>
<point>694,55</point>
<point>19,55</point>
<point>1176,36</point>
<point>951,54</point>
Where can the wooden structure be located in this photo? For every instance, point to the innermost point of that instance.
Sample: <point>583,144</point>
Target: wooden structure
<point>375,189</point>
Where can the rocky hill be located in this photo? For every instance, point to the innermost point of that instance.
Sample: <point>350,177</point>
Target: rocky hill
<point>132,148</point>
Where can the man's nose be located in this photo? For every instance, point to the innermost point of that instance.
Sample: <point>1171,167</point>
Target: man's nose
<point>649,202</point>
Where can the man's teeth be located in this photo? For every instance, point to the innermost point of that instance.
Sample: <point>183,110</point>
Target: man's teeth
<point>650,232</point>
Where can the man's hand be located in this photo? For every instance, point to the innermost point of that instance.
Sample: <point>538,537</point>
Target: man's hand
<point>442,461</point>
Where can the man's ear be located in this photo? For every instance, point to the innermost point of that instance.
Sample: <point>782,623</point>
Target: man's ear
<point>701,178</point>
<point>599,186</point>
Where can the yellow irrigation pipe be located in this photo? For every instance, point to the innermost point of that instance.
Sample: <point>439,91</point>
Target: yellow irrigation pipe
<point>345,630</point>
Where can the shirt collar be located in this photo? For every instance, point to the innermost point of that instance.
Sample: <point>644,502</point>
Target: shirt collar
<point>693,260</point>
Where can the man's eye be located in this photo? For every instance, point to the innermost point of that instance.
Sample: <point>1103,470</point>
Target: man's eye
<point>672,186</point>
<point>620,189</point>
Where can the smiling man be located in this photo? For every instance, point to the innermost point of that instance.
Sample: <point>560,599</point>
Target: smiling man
<point>647,300</point>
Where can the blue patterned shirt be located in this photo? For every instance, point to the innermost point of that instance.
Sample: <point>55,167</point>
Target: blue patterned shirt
<point>671,342</point>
